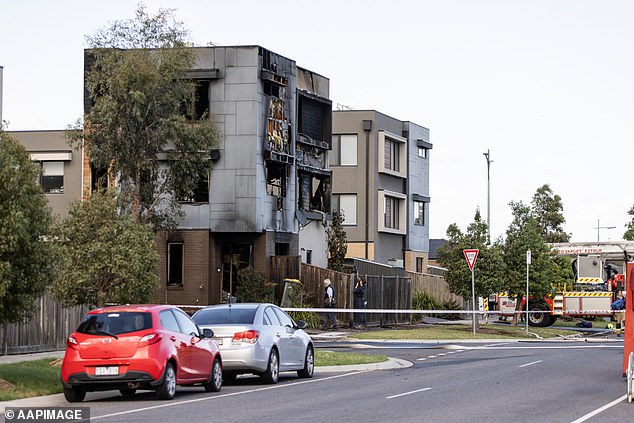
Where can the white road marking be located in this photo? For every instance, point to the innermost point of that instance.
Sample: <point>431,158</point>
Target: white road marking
<point>530,364</point>
<point>546,347</point>
<point>598,410</point>
<point>407,393</point>
<point>215,397</point>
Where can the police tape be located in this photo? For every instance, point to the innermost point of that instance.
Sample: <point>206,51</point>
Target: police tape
<point>417,311</point>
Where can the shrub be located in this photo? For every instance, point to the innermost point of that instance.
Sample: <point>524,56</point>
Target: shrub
<point>253,287</point>
<point>300,298</point>
<point>425,301</point>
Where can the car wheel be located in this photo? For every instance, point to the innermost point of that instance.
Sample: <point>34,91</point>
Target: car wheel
<point>127,393</point>
<point>215,378</point>
<point>167,389</point>
<point>309,364</point>
<point>74,394</point>
<point>272,373</point>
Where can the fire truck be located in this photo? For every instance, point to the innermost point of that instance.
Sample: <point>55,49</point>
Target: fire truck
<point>599,271</point>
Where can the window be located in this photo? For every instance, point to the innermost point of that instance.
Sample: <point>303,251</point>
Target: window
<point>391,156</point>
<point>419,213</point>
<point>272,318</point>
<point>52,180</point>
<point>284,318</point>
<point>422,152</point>
<point>186,324</point>
<point>392,207</point>
<point>175,263</point>
<point>394,154</point>
<point>347,205</point>
<point>168,321</point>
<point>391,212</point>
<point>419,265</point>
<point>344,150</point>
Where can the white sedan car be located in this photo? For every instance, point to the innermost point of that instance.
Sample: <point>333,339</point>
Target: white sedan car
<point>258,338</point>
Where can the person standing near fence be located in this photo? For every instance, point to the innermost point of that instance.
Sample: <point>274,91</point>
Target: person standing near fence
<point>329,302</point>
<point>359,303</point>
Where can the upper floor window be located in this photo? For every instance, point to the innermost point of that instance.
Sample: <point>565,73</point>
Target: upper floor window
<point>393,212</point>
<point>419,213</point>
<point>423,148</point>
<point>344,150</point>
<point>347,205</point>
<point>52,179</point>
<point>392,147</point>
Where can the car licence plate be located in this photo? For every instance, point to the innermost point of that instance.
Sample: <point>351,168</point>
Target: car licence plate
<point>106,370</point>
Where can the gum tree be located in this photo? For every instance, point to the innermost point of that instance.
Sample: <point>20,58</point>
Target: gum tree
<point>26,257</point>
<point>141,124</point>
<point>105,256</point>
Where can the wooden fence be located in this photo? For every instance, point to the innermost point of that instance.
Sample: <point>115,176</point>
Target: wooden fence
<point>47,330</point>
<point>434,285</point>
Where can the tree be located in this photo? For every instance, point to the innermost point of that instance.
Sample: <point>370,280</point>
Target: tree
<point>106,257</point>
<point>629,233</point>
<point>141,124</point>
<point>489,272</point>
<point>26,259</point>
<point>523,234</point>
<point>547,209</point>
<point>337,242</point>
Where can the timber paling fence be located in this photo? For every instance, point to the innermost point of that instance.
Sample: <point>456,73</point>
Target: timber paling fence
<point>47,330</point>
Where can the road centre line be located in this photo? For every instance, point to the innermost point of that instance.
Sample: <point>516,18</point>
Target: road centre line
<point>530,364</point>
<point>600,409</point>
<point>233,394</point>
<point>407,393</point>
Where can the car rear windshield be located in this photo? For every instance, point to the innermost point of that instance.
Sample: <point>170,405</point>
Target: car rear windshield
<point>115,323</point>
<point>213,316</point>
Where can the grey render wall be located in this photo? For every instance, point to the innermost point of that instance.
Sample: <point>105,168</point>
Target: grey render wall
<point>351,179</point>
<point>238,198</point>
<point>418,184</point>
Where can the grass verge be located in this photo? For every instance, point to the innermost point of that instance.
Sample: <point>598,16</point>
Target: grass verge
<point>463,332</point>
<point>331,358</point>
<point>29,379</point>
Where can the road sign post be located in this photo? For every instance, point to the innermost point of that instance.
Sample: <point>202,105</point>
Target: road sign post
<point>528,263</point>
<point>471,256</point>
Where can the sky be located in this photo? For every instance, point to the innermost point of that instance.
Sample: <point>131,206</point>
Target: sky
<point>545,86</point>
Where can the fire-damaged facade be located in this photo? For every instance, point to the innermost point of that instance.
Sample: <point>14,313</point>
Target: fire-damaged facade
<point>268,191</point>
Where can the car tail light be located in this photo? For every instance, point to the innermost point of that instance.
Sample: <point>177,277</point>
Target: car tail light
<point>149,339</point>
<point>71,342</point>
<point>248,336</point>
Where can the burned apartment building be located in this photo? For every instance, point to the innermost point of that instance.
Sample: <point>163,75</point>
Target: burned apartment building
<point>268,191</point>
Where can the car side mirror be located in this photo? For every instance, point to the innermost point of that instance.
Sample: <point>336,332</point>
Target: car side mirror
<point>302,324</point>
<point>208,333</point>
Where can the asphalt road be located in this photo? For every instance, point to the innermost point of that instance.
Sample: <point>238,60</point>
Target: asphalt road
<point>448,382</point>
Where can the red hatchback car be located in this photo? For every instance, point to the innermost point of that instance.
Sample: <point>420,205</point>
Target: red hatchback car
<point>132,347</point>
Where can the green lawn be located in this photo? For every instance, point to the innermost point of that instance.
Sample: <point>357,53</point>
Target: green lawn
<point>30,379</point>
<point>440,332</point>
<point>331,358</point>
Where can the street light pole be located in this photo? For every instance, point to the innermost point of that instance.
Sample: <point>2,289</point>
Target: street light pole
<point>599,227</point>
<point>488,157</point>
